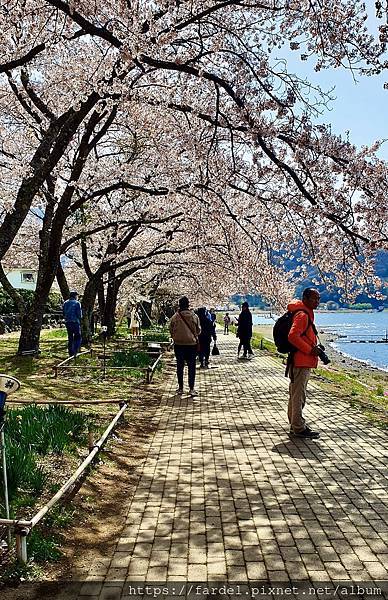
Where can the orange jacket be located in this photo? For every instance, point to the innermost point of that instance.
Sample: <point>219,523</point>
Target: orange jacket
<point>304,343</point>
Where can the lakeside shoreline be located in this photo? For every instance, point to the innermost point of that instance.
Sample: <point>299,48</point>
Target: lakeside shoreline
<point>338,360</point>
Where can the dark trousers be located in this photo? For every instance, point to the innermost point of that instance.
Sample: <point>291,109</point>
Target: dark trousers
<point>204,353</point>
<point>185,354</point>
<point>226,328</point>
<point>245,342</point>
<point>73,337</point>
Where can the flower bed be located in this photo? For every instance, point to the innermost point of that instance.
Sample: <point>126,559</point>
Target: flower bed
<point>32,434</point>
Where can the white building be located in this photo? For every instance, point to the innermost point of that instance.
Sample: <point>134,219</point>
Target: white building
<point>22,279</point>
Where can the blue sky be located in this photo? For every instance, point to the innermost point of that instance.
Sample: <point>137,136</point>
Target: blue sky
<point>360,107</point>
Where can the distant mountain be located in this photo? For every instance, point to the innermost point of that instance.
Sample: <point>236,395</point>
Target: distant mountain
<point>381,269</point>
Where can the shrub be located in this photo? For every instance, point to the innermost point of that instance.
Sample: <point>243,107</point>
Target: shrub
<point>156,336</point>
<point>42,548</point>
<point>8,306</point>
<point>360,306</point>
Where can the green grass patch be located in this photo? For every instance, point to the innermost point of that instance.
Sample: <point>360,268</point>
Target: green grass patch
<point>258,341</point>
<point>59,517</point>
<point>367,397</point>
<point>130,358</point>
<point>16,572</point>
<point>42,547</point>
<point>55,334</point>
<point>44,430</point>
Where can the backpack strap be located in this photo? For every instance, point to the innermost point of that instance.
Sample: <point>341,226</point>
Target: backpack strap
<point>309,324</point>
<point>188,327</point>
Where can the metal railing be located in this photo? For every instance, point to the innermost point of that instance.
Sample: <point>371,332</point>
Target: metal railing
<point>21,528</point>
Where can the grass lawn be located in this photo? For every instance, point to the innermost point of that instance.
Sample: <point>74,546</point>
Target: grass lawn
<point>37,375</point>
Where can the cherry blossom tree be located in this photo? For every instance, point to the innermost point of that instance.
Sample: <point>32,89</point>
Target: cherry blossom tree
<point>183,102</point>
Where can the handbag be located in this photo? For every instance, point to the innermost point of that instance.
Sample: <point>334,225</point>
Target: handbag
<point>215,351</point>
<point>198,346</point>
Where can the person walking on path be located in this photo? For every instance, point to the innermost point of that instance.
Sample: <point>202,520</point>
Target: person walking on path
<point>72,312</point>
<point>226,324</point>
<point>303,337</point>
<point>135,321</point>
<point>205,337</point>
<point>185,330</point>
<point>244,331</point>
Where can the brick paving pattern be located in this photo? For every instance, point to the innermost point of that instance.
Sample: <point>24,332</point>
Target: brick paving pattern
<point>226,495</point>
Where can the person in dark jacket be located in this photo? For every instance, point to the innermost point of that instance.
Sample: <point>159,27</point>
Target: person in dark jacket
<point>205,337</point>
<point>73,313</point>
<point>244,331</point>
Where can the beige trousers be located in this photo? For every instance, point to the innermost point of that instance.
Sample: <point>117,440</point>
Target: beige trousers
<point>297,398</point>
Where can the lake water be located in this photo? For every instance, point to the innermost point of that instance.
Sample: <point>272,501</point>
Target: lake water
<point>360,326</point>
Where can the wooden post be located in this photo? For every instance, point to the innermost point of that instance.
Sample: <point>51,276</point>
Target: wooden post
<point>90,440</point>
<point>21,544</point>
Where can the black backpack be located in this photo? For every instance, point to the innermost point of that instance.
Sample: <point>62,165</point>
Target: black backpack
<point>281,329</point>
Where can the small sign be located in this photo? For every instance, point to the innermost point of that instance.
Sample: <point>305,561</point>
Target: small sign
<point>8,384</point>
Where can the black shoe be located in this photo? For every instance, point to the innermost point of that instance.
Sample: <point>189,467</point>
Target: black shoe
<point>307,433</point>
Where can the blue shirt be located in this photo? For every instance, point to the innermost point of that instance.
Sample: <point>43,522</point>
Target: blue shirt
<point>72,311</point>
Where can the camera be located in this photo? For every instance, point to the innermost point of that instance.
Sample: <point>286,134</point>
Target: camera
<point>322,354</point>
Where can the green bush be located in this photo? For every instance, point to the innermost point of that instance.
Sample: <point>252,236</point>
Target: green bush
<point>156,336</point>
<point>42,548</point>
<point>8,306</point>
<point>54,302</point>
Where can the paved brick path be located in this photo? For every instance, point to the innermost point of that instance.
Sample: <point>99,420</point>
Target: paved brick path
<point>226,495</point>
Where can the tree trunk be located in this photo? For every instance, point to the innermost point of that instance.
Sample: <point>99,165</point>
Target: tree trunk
<point>88,300</point>
<point>145,313</point>
<point>32,325</point>
<point>48,264</point>
<point>62,282</point>
<point>111,303</point>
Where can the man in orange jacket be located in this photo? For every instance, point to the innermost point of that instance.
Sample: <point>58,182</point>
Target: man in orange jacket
<point>302,335</point>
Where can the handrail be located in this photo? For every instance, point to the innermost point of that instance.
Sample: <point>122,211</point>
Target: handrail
<point>69,358</point>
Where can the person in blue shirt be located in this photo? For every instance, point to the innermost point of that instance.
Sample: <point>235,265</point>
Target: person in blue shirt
<point>73,313</point>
